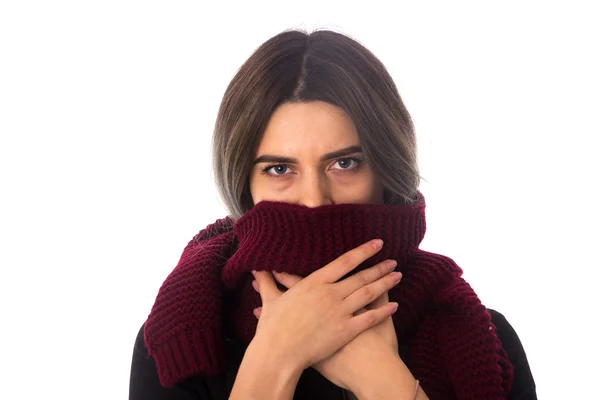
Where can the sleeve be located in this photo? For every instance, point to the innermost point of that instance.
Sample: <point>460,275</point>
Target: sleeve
<point>523,387</point>
<point>145,385</point>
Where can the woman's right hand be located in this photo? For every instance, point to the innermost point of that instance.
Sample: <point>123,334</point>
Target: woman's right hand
<point>315,318</point>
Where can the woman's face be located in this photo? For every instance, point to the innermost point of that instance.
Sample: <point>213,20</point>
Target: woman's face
<point>310,155</point>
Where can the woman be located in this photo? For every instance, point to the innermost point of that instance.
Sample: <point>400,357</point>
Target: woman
<point>314,286</point>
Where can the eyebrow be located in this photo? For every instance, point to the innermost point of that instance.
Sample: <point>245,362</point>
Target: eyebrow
<point>267,158</point>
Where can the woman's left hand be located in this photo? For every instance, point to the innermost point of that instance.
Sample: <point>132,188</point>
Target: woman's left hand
<point>361,355</point>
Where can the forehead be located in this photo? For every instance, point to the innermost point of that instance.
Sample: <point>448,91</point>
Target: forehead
<point>307,128</point>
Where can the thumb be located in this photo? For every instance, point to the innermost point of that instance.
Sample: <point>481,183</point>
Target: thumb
<point>267,288</point>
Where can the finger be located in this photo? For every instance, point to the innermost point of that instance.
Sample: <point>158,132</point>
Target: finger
<point>380,301</point>
<point>287,280</point>
<point>360,311</point>
<point>363,278</point>
<point>345,263</point>
<point>360,323</point>
<point>267,288</point>
<point>390,332</point>
<point>368,294</point>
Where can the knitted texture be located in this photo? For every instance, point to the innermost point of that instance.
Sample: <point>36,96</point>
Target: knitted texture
<point>453,347</point>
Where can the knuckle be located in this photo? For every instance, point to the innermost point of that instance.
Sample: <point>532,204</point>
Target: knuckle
<point>383,268</point>
<point>363,278</point>
<point>369,293</point>
<point>367,250</point>
<point>370,318</point>
<point>390,283</point>
<point>346,261</point>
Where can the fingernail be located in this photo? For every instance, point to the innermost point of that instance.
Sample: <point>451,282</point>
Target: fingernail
<point>377,244</point>
<point>394,307</point>
<point>396,276</point>
<point>253,272</point>
<point>392,264</point>
<point>255,285</point>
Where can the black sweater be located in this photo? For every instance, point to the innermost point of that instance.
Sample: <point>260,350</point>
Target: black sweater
<point>144,383</point>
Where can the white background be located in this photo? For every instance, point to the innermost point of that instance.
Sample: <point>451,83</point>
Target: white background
<point>106,115</point>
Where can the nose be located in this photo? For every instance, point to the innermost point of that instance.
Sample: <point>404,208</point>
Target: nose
<point>315,192</point>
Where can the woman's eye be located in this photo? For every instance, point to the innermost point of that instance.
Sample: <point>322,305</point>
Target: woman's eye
<point>346,163</point>
<point>276,169</point>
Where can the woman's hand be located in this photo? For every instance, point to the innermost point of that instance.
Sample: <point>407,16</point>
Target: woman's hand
<point>348,365</point>
<point>319,315</point>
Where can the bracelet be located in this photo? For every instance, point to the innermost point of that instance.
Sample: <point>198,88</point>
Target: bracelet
<point>414,396</point>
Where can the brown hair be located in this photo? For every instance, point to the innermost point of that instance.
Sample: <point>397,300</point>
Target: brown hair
<point>295,66</point>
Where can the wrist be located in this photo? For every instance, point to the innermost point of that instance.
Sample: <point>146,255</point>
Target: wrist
<point>263,374</point>
<point>272,353</point>
<point>270,356</point>
<point>388,378</point>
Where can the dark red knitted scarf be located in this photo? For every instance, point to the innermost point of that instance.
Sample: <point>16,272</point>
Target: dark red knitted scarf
<point>453,351</point>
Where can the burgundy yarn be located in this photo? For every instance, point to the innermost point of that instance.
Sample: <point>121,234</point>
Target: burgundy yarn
<point>454,350</point>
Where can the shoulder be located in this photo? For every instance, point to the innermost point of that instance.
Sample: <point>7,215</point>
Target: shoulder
<point>523,384</point>
<point>139,340</point>
<point>504,329</point>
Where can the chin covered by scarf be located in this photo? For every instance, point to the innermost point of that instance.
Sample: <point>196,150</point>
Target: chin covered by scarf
<point>453,347</point>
